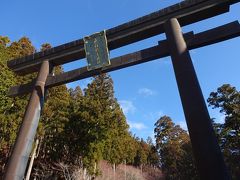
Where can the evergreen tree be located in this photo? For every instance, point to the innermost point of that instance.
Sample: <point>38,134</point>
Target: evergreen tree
<point>97,124</point>
<point>227,99</point>
<point>130,149</point>
<point>174,147</point>
<point>7,123</point>
<point>51,127</point>
<point>77,128</point>
<point>45,46</point>
<point>142,154</point>
<point>153,157</point>
<point>12,109</point>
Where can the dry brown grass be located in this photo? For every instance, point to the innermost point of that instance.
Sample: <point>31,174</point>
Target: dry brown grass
<point>122,173</point>
<point>128,173</point>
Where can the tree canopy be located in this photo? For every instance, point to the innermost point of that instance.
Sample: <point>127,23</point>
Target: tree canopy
<point>81,127</point>
<point>227,100</point>
<point>174,147</point>
<point>77,127</point>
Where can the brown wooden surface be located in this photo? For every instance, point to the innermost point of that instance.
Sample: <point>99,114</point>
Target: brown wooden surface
<point>205,38</point>
<point>187,12</point>
<point>206,151</point>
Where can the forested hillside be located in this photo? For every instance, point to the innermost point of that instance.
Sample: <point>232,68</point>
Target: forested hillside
<point>77,127</point>
<point>81,128</point>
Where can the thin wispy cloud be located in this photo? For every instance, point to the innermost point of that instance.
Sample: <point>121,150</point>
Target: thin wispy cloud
<point>217,116</point>
<point>153,116</point>
<point>152,135</point>
<point>159,113</point>
<point>137,125</point>
<point>146,92</point>
<point>127,106</point>
<point>220,118</point>
<point>183,125</point>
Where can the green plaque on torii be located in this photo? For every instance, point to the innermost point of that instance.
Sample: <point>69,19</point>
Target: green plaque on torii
<point>96,49</point>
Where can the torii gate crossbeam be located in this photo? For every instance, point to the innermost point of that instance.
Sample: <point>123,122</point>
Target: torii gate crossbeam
<point>207,153</point>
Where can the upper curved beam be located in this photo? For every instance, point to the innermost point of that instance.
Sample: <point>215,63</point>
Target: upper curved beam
<point>187,12</point>
<point>193,41</point>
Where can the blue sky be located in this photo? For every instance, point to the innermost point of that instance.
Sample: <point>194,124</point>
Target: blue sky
<point>146,91</point>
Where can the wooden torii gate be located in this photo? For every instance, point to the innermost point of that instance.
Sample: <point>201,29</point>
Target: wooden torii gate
<point>206,151</point>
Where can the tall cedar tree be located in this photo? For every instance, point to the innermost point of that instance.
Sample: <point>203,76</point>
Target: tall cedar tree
<point>75,128</point>
<point>97,125</point>
<point>153,157</point>
<point>174,147</point>
<point>51,128</point>
<point>12,109</point>
<point>227,99</point>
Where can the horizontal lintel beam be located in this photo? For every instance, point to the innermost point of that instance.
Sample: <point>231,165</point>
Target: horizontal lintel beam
<point>187,12</point>
<point>205,38</point>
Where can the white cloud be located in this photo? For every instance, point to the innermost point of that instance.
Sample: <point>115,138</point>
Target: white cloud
<point>220,119</point>
<point>183,125</point>
<point>127,106</point>
<point>152,135</point>
<point>146,92</point>
<point>159,114</point>
<point>137,125</point>
<point>153,116</point>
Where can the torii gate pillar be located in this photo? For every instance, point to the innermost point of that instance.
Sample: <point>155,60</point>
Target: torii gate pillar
<point>206,150</point>
<point>23,145</point>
